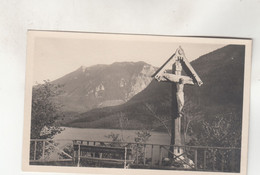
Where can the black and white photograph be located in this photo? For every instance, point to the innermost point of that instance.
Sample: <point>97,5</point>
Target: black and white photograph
<point>136,104</point>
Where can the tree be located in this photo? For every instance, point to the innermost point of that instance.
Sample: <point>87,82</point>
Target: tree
<point>162,120</point>
<point>222,130</point>
<point>123,123</point>
<point>45,110</point>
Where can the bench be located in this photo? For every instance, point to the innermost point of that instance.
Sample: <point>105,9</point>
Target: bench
<point>101,154</point>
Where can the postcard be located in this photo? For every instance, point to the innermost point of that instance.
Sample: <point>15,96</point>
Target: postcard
<point>100,103</point>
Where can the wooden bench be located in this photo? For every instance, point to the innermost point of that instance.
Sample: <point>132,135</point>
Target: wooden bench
<point>101,154</point>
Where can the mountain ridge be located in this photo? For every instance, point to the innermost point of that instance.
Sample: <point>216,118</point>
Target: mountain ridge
<point>222,74</point>
<point>103,85</point>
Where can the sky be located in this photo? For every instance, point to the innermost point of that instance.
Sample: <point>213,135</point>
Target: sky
<point>55,57</point>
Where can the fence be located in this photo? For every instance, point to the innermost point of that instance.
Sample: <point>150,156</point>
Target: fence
<point>153,156</point>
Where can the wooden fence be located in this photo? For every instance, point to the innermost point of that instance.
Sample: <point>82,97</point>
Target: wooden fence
<point>144,155</point>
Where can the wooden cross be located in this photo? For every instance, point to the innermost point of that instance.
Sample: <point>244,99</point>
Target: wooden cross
<point>176,63</point>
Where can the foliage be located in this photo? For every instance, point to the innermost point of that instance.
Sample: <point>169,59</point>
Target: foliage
<point>123,121</point>
<point>160,119</point>
<point>117,140</point>
<point>45,111</point>
<point>223,130</point>
<point>141,138</point>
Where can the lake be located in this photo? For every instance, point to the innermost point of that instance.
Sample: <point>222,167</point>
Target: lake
<point>89,134</point>
<point>100,135</point>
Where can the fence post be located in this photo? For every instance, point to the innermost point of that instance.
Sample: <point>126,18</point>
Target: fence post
<point>232,160</point>
<point>222,161</point>
<point>144,153</point>
<point>43,149</point>
<point>34,152</point>
<point>213,157</point>
<point>196,158</point>
<point>136,151</point>
<point>74,156</point>
<point>78,155</point>
<point>94,154</point>
<point>152,155</point>
<point>125,157</point>
<point>205,160</point>
<point>160,156</point>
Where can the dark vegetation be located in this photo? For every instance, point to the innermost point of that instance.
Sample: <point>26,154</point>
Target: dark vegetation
<point>45,112</point>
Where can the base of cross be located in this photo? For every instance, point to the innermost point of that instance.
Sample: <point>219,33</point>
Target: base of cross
<point>180,162</point>
<point>178,159</point>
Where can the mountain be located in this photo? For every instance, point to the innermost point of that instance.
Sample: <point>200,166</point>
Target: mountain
<point>103,85</point>
<point>222,73</point>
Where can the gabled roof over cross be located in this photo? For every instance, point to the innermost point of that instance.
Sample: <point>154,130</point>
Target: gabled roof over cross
<point>191,78</point>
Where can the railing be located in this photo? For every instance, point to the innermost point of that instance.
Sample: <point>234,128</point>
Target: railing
<point>145,155</point>
<point>46,150</point>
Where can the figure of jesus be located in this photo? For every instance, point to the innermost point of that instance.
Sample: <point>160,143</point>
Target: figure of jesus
<point>180,96</point>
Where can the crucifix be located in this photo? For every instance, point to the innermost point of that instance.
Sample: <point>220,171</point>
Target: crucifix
<point>176,63</point>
